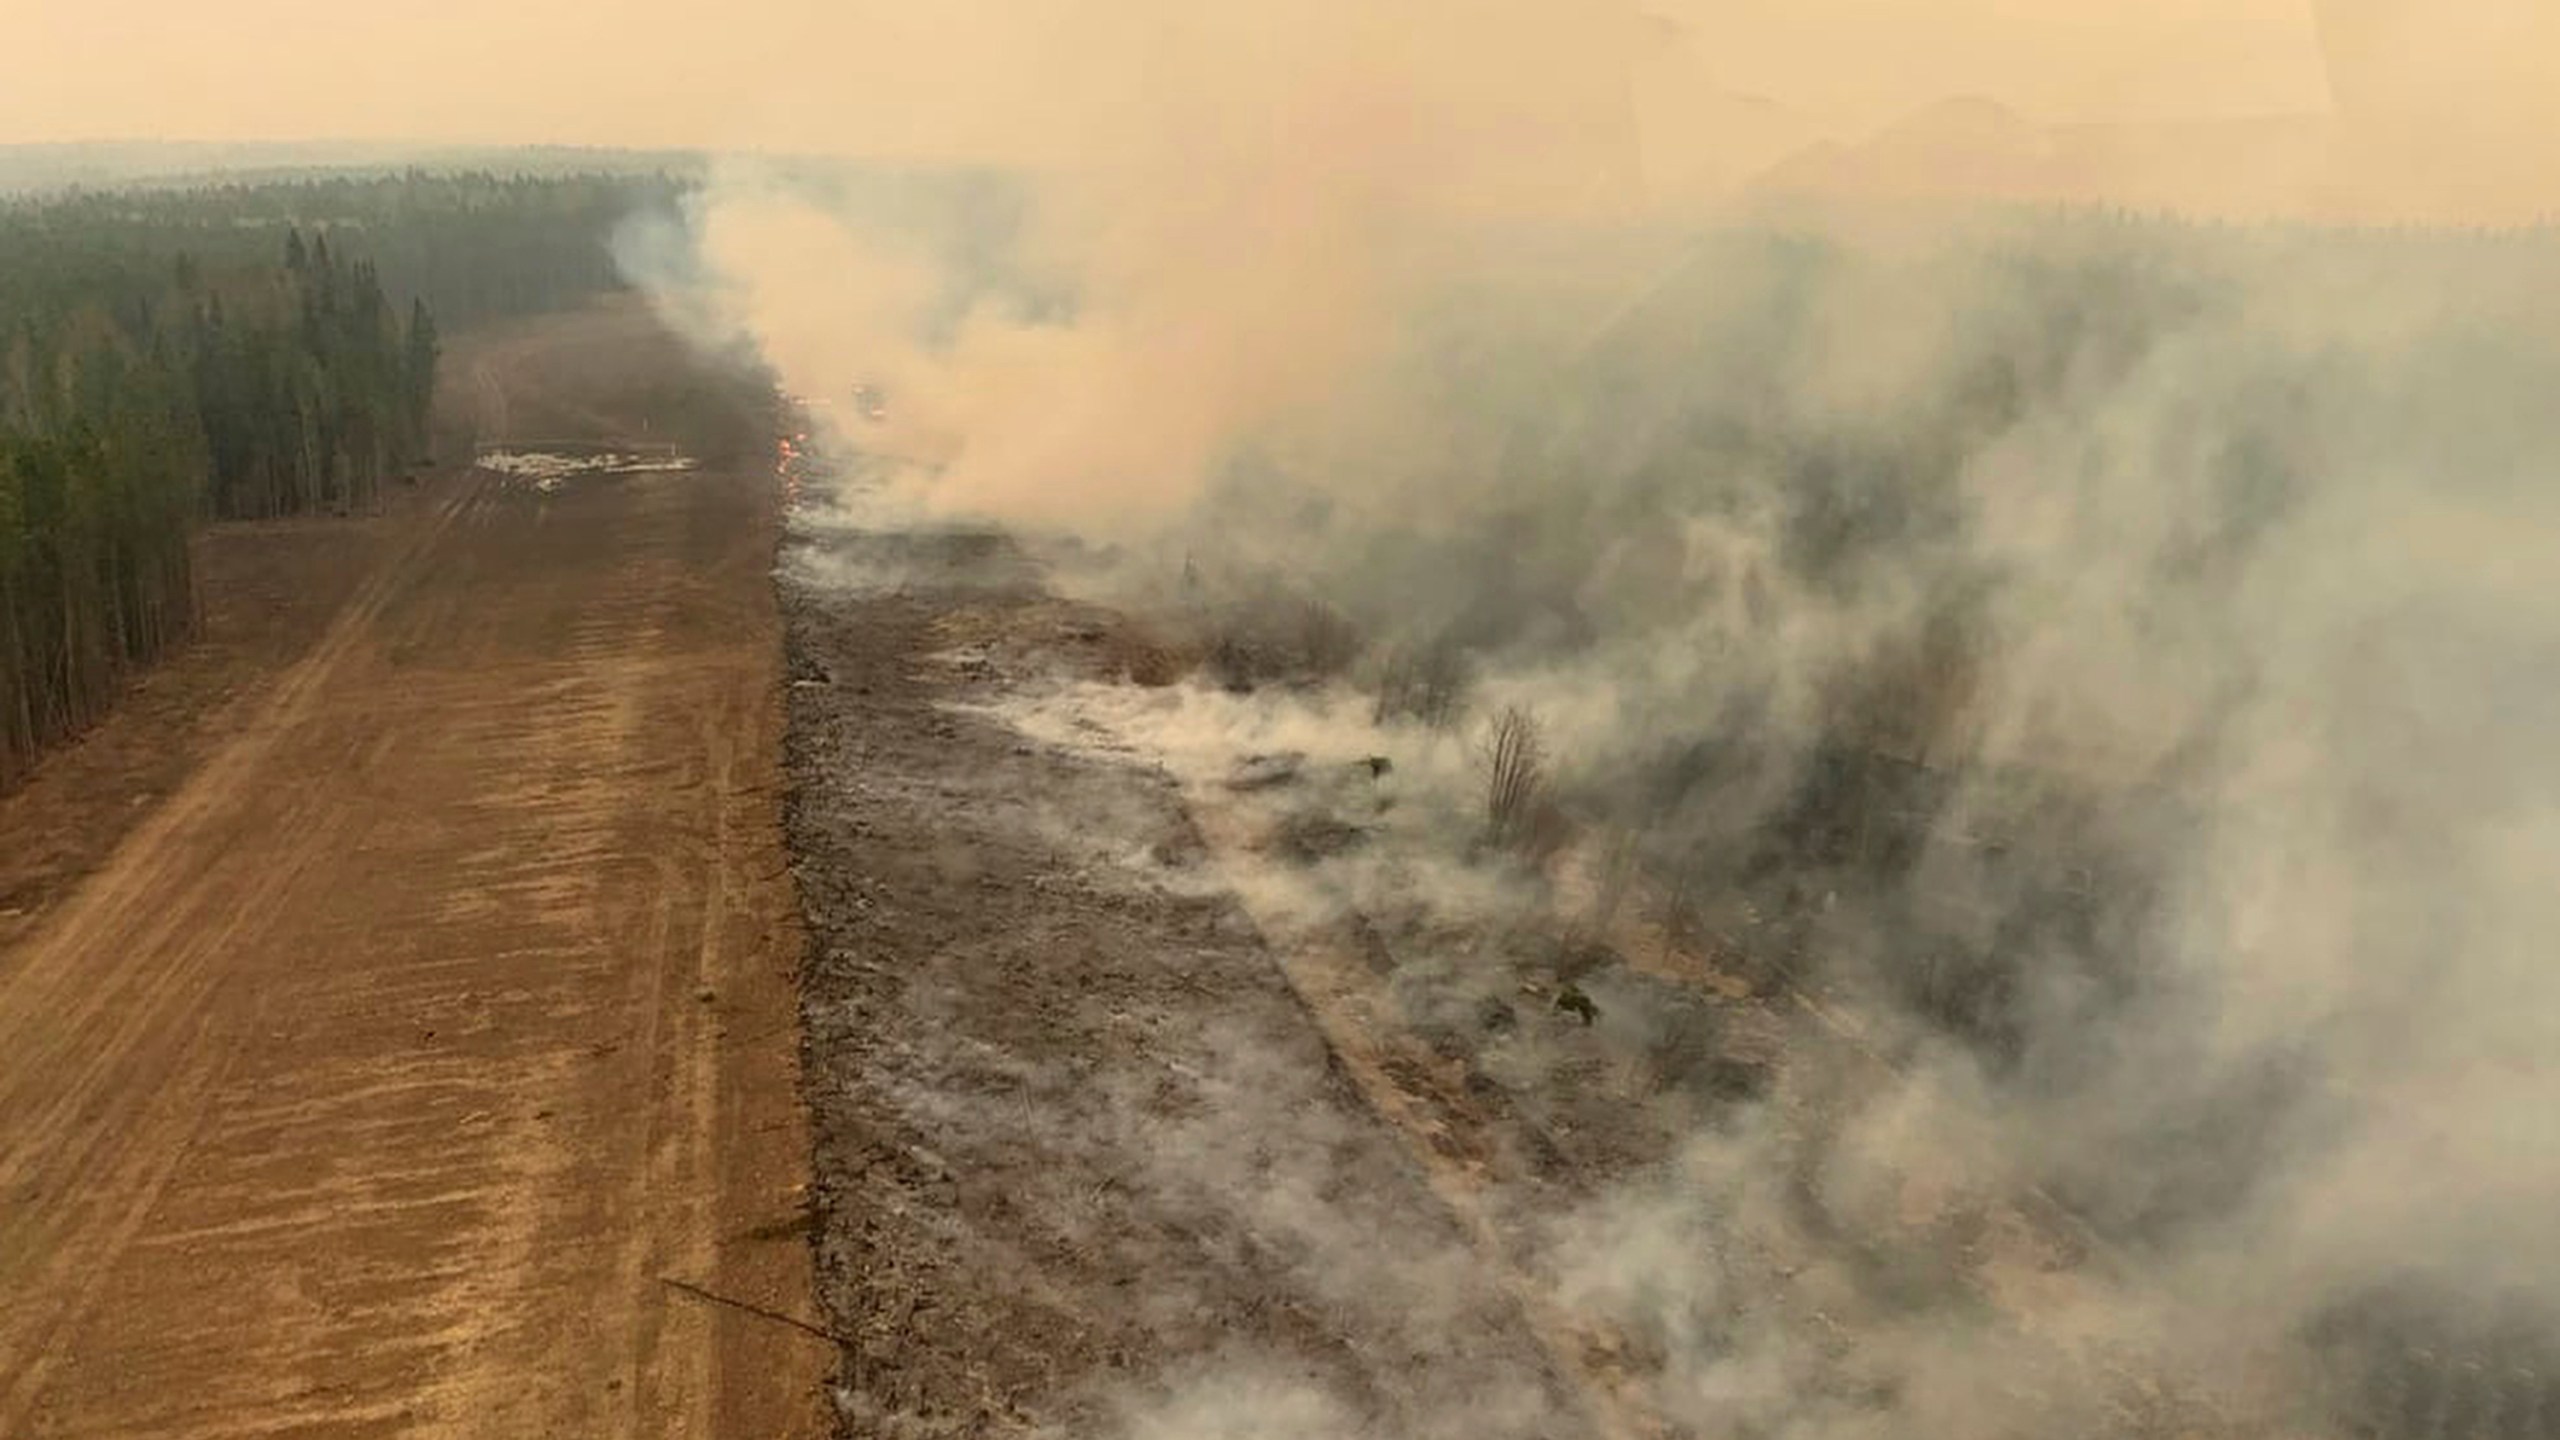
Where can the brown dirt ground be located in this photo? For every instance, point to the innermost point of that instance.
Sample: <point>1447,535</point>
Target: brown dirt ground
<point>268,591</point>
<point>400,1011</point>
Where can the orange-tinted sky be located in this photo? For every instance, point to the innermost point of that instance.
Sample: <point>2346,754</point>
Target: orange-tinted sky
<point>2425,89</point>
<point>756,71</point>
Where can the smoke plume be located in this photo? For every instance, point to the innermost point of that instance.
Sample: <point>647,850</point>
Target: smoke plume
<point>2112,659</point>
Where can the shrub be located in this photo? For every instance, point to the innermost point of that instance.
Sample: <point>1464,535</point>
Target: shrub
<point>1514,757</point>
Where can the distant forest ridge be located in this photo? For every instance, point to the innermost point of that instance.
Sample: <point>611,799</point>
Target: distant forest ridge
<point>122,164</point>
<point>471,244</point>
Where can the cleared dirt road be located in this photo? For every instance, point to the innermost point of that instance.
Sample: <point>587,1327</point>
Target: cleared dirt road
<point>400,1072</point>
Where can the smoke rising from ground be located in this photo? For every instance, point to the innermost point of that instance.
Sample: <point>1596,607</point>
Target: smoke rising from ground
<point>1221,234</point>
<point>2112,659</point>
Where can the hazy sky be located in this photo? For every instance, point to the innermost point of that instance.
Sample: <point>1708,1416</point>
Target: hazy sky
<point>655,72</point>
<point>2442,107</point>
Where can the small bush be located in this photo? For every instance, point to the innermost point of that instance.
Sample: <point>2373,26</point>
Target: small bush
<point>1514,757</point>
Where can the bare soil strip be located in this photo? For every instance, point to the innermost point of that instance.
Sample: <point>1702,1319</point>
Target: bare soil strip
<point>393,1074</point>
<point>269,590</point>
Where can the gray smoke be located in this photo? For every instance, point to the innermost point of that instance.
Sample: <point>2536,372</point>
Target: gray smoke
<point>2112,660</point>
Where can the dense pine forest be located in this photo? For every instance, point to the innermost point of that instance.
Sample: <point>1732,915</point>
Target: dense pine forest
<point>236,351</point>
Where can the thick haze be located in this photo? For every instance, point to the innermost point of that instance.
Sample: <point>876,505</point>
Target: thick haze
<point>2447,107</point>
<point>2196,564</point>
<point>685,72</point>
<point>1245,199</point>
<point>2230,543</point>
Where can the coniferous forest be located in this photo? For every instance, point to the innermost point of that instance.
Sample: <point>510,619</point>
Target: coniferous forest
<point>236,351</point>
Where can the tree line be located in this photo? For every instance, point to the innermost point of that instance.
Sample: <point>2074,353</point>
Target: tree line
<point>474,245</point>
<point>168,357</point>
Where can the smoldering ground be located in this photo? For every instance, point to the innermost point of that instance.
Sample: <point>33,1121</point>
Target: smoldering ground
<point>2113,649</point>
<point>2099,666</point>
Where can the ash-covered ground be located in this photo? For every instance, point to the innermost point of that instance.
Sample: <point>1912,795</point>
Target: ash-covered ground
<point>1076,1137</point>
<point>1164,1087</point>
<point>1185,1063</point>
<point>1919,821</point>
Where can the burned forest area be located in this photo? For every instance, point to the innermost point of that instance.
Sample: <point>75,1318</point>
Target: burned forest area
<point>1179,1070</point>
<point>1470,957</point>
<point>753,796</point>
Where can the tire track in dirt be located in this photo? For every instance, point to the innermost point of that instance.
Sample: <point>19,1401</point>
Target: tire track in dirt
<point>69,1019</point>
<point>379,1078</point>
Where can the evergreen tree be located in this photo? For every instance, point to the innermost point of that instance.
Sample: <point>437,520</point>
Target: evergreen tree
<point>418,371</point>
<point>231,351</point>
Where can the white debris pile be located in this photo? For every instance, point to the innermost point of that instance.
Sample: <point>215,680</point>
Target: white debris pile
<point>549,470</point>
